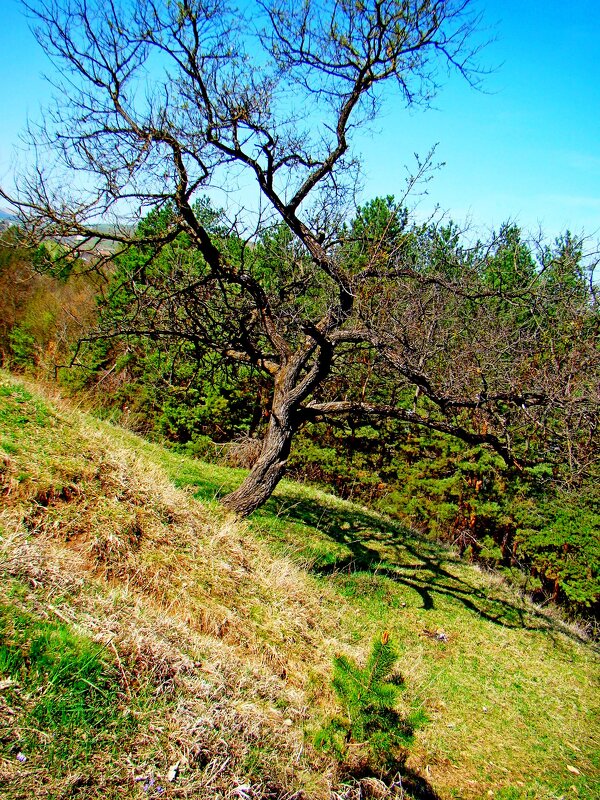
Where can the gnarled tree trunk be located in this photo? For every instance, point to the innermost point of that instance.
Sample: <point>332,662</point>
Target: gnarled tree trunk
<point>270,466</point>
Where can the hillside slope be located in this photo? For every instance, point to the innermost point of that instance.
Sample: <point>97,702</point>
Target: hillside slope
<point>146,636</point>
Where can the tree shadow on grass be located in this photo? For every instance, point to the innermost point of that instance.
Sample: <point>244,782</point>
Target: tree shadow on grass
<point>353,540</point>
<point>367,542</point>
<point>416,787</point>
<point>407,783</point>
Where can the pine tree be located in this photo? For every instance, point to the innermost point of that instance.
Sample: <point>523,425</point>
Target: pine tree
<point>367,692</point>
<point>369,695</point>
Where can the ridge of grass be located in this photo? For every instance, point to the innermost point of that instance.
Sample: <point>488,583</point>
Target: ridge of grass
<point>208,643</point>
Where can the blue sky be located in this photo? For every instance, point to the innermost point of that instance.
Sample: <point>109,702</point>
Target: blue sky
<point>525,149</point>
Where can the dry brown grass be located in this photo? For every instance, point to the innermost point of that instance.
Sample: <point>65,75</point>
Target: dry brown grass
<point>243,452</point>
<point>240,641</point>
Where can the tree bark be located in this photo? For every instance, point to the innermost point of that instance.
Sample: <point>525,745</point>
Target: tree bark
<point>270,466</point>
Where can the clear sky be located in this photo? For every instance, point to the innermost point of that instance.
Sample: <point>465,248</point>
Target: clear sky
<point>525,149</point>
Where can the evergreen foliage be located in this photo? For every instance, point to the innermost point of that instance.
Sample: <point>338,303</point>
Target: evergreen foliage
<point>370,720</point>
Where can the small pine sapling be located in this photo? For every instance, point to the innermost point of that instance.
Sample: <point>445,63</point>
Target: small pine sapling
<point>368,695</point>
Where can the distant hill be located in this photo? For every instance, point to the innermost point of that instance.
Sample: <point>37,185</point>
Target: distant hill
<point>106,228</point>
<point>151,645</point>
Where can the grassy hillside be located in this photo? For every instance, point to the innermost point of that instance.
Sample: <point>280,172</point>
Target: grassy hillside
<point>145,635</point>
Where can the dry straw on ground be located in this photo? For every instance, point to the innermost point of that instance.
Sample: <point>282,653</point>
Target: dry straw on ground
<point>181,598</point>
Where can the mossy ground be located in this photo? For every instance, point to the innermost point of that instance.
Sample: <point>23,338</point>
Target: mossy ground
<point>210,642</point>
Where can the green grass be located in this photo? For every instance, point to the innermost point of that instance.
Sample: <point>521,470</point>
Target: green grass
<point>509,690</point>
<point>63,695</point>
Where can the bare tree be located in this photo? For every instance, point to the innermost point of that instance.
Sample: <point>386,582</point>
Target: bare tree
<point>159,102</point>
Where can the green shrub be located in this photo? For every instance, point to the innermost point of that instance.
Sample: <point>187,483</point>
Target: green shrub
<point>22,347</point>
<point>562,546</point>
